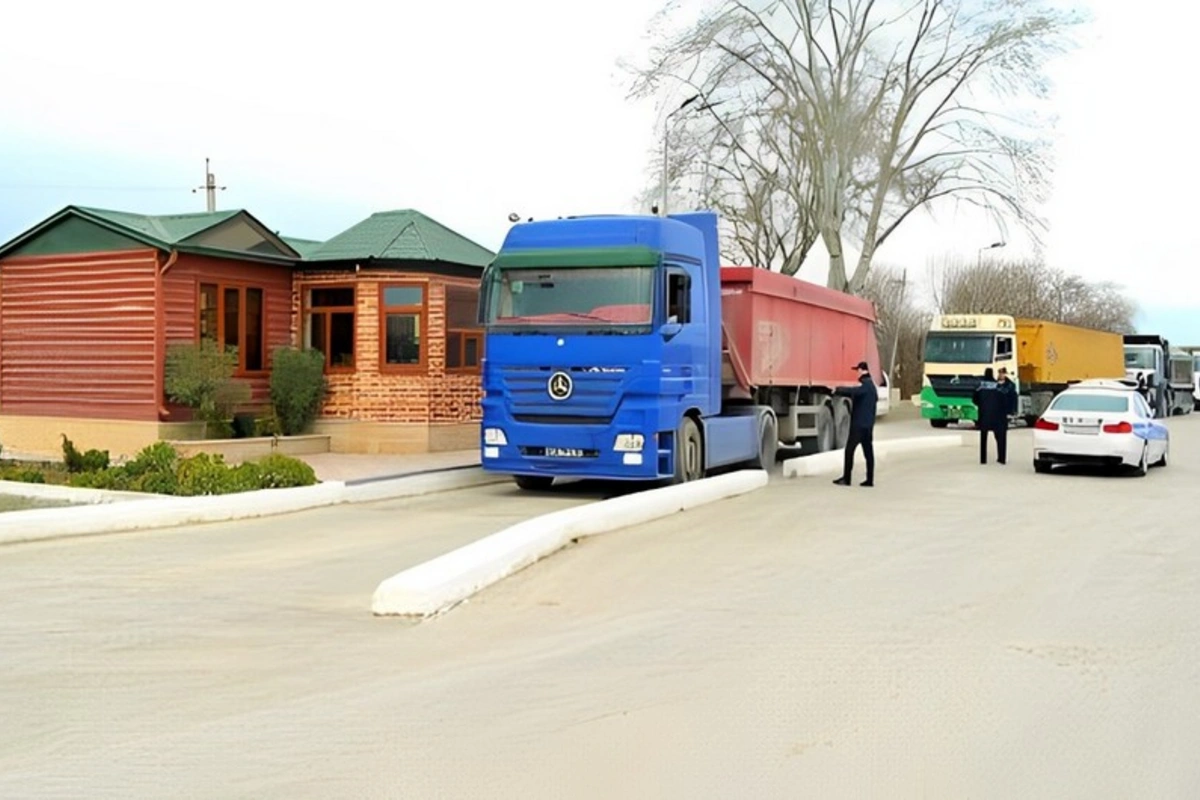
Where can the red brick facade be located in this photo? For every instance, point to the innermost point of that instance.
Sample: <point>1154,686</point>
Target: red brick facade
<point>373,392</point>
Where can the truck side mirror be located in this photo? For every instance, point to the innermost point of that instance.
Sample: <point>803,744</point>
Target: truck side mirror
<point>670,330</point>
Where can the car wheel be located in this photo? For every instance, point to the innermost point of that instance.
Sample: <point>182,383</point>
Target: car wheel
<point>1141,468</point>
<point>1041,467</point>
<point>1162,462</point>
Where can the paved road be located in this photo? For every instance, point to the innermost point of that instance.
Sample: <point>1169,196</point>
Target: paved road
<point>956,631</point>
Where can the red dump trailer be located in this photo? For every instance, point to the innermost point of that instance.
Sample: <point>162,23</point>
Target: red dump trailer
<point>788,343</point>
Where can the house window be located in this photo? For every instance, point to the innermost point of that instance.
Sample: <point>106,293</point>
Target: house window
<point>234,316</point>
<point>329,324</point>
<point>402,319</point>
<point>464,339</point>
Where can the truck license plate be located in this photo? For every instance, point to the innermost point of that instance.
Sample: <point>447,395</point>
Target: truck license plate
<point>564,452</point>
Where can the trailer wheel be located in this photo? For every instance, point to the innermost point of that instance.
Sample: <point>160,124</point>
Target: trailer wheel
<point>689,452</point>
<point>841,423</point>
<point>768,440</point>
<point>825,433</point>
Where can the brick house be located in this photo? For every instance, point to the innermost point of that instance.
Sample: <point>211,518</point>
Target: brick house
<point>90,298</point>
<point>392,304</point>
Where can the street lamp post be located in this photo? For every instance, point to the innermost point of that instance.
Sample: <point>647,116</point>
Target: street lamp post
<point>992,246</point>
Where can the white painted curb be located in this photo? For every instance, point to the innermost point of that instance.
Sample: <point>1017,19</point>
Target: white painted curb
<point>831,462</point>
<point>73,494</point>
<point>436,585</point>
<point>166,512</point>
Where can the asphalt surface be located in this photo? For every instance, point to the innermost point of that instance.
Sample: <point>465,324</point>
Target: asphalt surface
<point>956,631</point>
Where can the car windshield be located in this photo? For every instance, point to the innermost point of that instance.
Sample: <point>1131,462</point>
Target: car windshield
<point>1196,363</point>
<point>1139,358</point>
<point>1080,401</point>
<point>959,348</point>
<point>588,296</point>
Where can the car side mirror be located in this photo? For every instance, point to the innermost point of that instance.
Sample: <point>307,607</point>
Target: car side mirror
<point>670,330</point>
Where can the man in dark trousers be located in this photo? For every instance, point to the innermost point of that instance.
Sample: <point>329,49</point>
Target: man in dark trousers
<point>996,400</point>
<point>862,424</point>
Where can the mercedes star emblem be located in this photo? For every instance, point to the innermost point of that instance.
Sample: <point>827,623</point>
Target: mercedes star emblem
<point>559,386</point>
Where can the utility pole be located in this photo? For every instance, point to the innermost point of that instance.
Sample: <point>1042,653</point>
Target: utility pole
<point>896,332</point>
<point>210,188</point>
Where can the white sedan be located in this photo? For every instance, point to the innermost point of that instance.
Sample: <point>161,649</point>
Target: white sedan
<point>1100,423</point>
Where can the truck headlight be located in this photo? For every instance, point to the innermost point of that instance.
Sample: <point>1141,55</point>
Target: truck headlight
<point>494,436</point>
<point>629,443</point>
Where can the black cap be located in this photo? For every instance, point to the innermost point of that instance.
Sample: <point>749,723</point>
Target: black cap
<point>861,365</point>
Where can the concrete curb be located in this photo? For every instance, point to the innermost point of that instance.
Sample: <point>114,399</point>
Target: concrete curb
<point>73,494</point>
<point>831,462</point>
<point>151,512</point>
<point>436,585</point>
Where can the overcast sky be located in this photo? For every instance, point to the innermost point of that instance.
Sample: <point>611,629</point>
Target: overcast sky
<point>469,111</point>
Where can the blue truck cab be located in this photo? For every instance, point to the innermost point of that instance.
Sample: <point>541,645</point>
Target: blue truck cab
<point>603,353</point>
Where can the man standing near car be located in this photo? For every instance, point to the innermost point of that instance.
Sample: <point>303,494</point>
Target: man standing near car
<point>996,400</point>
<point>864,398</point>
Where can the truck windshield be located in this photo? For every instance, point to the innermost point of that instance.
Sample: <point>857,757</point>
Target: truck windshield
<point>959,348</point>
<point>585,296</point>
<point>1139,358</point>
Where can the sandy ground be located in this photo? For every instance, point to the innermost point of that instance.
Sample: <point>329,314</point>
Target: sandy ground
<point>957,631</point>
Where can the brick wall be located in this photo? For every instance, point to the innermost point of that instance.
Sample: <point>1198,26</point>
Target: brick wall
<point>370,393</point>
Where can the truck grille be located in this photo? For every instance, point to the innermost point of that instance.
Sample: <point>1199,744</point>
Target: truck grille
<point>593,401</point>
<point>955,385</point>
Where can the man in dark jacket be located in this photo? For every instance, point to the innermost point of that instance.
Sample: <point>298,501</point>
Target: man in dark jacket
<point>996,400</point>
<point>862,424</point>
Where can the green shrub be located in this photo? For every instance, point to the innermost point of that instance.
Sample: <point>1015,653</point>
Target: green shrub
<point>200,376</point>
<point>158,457</point>
<point>246,477</point>
<point>278,471</point>
<point>156,483</point>
<point>204,473</point>
<point>90,461</point>
<point>297,387</point>
<point>22,474</point>
<point>114,480</point>
<point>245,426</point>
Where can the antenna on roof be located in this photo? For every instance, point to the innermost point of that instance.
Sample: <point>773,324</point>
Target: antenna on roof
<point>210,188</point>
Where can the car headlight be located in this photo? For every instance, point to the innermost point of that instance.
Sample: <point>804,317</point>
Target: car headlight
<point>494,436</point>
<point>629,443</point>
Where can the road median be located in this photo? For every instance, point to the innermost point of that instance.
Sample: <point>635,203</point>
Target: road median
<point>831,462</point>
<point>437,585</point>
<point>96,513</point>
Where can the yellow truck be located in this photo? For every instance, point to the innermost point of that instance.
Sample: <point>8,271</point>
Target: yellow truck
<point>1041,357</point>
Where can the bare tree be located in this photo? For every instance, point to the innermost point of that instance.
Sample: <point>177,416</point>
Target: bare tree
<point>1032,290</point>
<point>858,118</point>
<point>901,325</point>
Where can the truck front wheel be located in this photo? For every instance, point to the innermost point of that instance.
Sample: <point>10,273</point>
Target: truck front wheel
<point>534,483</point>
<point>939,423</point>
<point>689,452</point>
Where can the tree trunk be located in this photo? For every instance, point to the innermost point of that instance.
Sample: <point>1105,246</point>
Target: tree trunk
<point>832,238</point>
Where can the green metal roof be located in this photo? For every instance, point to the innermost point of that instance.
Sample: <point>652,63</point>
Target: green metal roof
<point>166,228</point>
<point>165,232</point>
<point>404,235</point>
<point>304,247</point>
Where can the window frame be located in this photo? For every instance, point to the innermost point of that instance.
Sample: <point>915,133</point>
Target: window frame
<point>476,333</point>
<point>422,313</point>
<point>243,288</point>
<point>306,311</point>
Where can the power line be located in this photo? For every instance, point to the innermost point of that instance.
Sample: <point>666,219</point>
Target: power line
<point>65,187</point>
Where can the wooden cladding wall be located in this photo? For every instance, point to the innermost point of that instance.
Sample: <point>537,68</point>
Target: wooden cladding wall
<point>181,293</point>
<point>77,335</point>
